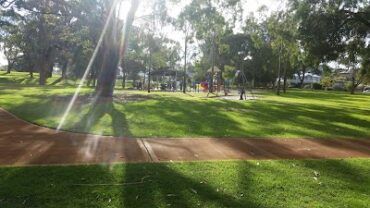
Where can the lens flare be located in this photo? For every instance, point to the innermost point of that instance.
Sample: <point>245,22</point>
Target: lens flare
<point>88,68</point>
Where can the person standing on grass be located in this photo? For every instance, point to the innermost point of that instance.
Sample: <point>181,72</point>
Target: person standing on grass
<point>242,93</point>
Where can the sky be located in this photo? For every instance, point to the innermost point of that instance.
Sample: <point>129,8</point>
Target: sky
<point>248,7</point>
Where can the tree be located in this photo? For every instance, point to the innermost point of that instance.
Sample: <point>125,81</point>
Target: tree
<point>11,49</point>
<point>111,50</point>
<point>42,25</point>
<point>184,24</point>
<point>356,60</point>
<point>335,31</point>
<point>283,41</point>
<point>210,26</point>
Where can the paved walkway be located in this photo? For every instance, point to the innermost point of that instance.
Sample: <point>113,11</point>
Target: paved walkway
<point>22,143</point>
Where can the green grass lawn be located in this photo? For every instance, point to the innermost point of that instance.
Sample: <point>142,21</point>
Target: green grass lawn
<point>264,184</point>
<point>137,114</point>
<point>24,79</point>
<point>325,183</point>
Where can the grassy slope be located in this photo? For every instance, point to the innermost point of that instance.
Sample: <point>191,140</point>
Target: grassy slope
<point>296,114</point>
<point>338,183</point>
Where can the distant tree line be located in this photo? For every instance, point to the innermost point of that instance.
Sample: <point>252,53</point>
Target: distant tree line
<point>37,35</point>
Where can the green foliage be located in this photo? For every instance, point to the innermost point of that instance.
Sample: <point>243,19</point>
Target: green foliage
<point>324,25</point>
<point>327,81</point>
<point>229,72</point>
<point>348,86</point>
<point>316,86</point>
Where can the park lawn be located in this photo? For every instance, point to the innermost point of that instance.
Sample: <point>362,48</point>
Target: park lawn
<point>24,79</point>
<point>299,113</point>
<point>285,183</point>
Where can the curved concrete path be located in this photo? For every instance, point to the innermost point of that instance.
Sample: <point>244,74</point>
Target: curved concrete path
<point>22,143</point>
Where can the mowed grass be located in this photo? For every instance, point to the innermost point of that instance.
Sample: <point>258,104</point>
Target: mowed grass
<point>264,184</point>
<point>24,79</point>
<point>310,183</point>
<point>298,113</point>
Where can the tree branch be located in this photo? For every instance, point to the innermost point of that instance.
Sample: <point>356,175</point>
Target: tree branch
<point>2,2</point>
<point>358,16</point>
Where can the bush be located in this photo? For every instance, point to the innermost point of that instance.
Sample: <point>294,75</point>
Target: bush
<point>327,82</point>
<point>316,86</point>
<point>307,86</point>
<point>348,86</point>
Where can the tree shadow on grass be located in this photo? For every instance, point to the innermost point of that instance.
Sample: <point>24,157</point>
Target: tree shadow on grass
<point>56,81</point>
<point>304,120</point>
<point>167,187</point>
<point>219,118</point>
<point>98,109</point>
<point>207,184</point>
<point>172,116</point>
<point>289,183</point>
<point>55,186</point>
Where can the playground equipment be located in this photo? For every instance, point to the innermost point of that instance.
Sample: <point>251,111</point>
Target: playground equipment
<point>216,77</point>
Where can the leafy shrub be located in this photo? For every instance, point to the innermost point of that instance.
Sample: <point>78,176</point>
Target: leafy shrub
<point>307,86</point>
<point>348,86</point>
<point>316,86</point>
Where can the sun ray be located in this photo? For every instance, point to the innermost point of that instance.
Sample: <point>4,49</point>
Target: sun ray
<point>88,68</point>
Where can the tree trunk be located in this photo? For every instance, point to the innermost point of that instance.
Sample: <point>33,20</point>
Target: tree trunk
<point>90,78</point>
<point>94,79</point>
<point>149,72</point>
<point>31,71</point>
<point>253,78</point>
<point>110,59</point>
<point>285,79</point>
<point>123,80</point>
<point>43,74</point>
<point>107,77</point>
<point>213,66</point>
<point>44,45</point>
<point>144,78</point>
<point>353,88</point>
<point>184,79</point>
<point>352,91</point>
<point>45,65</point>
<point>50,70</point>
<point>9,68</point>
<point>64,70</point>
<point>279,76</point>
<point>301,79</point>
<point>95,70</point>
<point>113,52</point>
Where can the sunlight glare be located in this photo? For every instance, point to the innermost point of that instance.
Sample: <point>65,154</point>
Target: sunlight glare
<point>88,68</point>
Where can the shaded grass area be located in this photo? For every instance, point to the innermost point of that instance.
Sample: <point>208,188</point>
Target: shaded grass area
<point>310,183</point>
